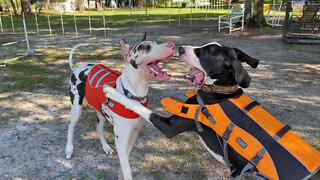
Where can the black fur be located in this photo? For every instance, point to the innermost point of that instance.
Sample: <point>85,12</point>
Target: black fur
<point>73,79</point>
<point>82,86</point>
<point>224,64</point>
<point>175,125</point>
<point>71,95</point>
<point>146,47</point>
<point>133,63</point>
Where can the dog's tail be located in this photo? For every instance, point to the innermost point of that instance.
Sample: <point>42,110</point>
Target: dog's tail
<point>71,54</point>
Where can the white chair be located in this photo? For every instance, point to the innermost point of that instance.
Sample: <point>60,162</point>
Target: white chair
<point>226,21</point>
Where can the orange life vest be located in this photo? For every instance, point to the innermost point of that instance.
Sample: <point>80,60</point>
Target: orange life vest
<point>98,76</point>
<point>271,147</point>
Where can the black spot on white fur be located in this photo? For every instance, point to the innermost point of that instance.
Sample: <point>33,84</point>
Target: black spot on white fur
<point>134,64</point>
<point>71,95</point>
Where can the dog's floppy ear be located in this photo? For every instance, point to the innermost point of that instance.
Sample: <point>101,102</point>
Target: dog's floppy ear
<point>125,48</point>
<point>240,74</point>
<point>243,57</point>
<point>144,36</point>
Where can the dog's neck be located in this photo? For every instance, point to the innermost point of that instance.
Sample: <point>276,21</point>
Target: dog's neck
<point>134,82</point>
<point>220,89</point>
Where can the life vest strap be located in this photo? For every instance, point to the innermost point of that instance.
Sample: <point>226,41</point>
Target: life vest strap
<point>204,110</point>
<point>250,106</point>
<point>225,137</point>
<point>252,163</point>
<point>282,132</point>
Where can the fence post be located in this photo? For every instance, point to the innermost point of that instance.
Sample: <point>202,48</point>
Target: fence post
<point>179,17</point>
<point>25,32</point>
<point>62,28</point>
<point>170,14</point>
<point>104,24</point>
<point>75,24</point>
<point>207,11</point>
<point>1,25</point>
<point>12,25</point>
<point>49,24</point>
<point>37,26</point>
<point>89,22</point>
<point>191,16</point>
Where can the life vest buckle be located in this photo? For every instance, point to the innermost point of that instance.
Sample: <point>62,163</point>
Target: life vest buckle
<point>228,131</point>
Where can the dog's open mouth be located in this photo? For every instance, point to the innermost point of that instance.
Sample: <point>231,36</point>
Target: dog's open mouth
<point>154,69</point>
<point>195,76</point>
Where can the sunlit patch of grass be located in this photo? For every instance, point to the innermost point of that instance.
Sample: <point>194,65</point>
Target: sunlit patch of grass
<point>30,73</point>
<point>10,116</point>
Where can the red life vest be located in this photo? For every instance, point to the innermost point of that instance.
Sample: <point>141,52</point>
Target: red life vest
<point>98,76</point>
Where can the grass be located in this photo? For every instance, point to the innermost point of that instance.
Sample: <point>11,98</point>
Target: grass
<point>30,73</point>
<point>114,18</point>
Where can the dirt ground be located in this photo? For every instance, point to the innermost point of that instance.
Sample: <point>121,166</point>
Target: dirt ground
<point>32,143</point>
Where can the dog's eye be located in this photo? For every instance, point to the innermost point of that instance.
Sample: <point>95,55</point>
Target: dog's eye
<point>146,47</point>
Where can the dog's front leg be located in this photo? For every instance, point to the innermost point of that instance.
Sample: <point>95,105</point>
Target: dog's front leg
<point>128,103</point>
<point>126,132</point>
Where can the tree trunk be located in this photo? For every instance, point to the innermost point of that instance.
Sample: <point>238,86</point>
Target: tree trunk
<point>98,5</point>
<point>113,4</point>
<point>46,4</point>
<point>17,4</point>
<point>79,6</point>
<point>25,6</point>
<point>14,8</point>
<point>138,3</point>
<point>253,15</point>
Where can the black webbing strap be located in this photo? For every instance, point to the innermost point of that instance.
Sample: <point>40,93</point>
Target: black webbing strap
<point>205,112</point>
<point>250,106</point>
<point>252,163</point>
<point>282,132</point>
<point>196,120</point>
<point>225,138</point>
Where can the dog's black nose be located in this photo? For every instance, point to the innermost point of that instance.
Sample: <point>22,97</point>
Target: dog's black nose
<point>181,51</point>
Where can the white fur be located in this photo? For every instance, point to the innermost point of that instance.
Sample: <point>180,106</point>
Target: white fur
<point>217,156</point>
<point>71,54</point>
<point>190,58</point>
<point>128,103</point>
<point>134,80</point>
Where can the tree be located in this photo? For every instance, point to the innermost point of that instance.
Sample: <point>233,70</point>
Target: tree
<point>255,17</point>
<point>46,4</point>
<point>80,5</point>
<point>25,6</point>
<point>14,7</point>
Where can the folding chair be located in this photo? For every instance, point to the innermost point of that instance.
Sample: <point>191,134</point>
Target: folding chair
<point>236,16</point>
<point>309,15</point>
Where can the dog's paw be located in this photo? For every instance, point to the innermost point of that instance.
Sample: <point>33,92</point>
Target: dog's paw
<point>109,151</point>
<point>108,90</point>
<point>69,151</point>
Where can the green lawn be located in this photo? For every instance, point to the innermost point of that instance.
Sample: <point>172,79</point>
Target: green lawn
<point>114,18</point>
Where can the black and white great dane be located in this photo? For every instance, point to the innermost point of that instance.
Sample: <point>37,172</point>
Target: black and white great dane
<point>141,66</point>
<point>212,64</point>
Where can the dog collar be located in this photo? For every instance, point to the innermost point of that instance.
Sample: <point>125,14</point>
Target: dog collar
<point>142,100</point>
<point>220,89</point>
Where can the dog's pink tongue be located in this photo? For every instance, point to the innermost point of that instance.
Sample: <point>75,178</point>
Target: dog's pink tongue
<point>159,74</point>
<point>197,75</point>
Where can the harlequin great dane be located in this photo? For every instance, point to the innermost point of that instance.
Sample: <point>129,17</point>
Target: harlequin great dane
<point>87,80</point>
<point>218,71</point>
